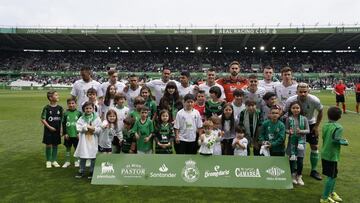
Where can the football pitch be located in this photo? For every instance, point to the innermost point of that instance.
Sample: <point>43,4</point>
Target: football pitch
<point>24,178</point>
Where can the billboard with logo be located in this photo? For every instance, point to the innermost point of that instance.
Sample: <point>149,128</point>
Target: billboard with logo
<point>192,170</point>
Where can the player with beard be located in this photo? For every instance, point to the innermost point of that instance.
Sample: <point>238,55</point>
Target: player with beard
<point>309,104</point>
<point>233,82</point>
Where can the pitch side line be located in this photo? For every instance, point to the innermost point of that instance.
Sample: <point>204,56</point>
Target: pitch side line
<point>346,110</point>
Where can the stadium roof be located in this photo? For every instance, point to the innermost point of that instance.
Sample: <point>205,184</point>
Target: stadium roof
<point>234,39</point>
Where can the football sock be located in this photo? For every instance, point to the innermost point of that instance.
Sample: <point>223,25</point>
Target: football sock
<point>48,153</point>
<point>314,158</point>
<point>67,154</point>
<point>333,186</point>
<point>54,153</point>
<point>328,186</point>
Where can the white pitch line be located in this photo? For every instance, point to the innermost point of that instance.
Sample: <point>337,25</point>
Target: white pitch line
<point>346,110</point>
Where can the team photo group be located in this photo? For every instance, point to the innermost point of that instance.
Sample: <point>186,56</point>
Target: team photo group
<point>232,115</point>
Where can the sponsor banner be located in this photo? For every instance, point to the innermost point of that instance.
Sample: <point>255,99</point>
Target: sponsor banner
<point>182,31</point>
<point>192,170</point>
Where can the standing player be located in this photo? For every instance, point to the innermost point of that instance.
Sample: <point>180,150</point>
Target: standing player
<point>233,82</point>
<point>330,153</point>
<point>145,93</point>
<point>171,101</point>
<point>88,127</point>
<point>357,92</point>
<point>267,83</point>
<point>122,112</point>
<point>185,88</point>
<point>214,106</point>
<point>159,85</point>
<point>210,82</point>
<point>70,133</point>
<point>208,139</point>
<point>200,104</point>
<point>240,143</point>
<point>249,119</point>
<point>51,118</point>
<point>132,91</point>
<point>144,132</point>
<point>113,80</point>
<point>187,123</point>
<point>238,104</point>
<point>253,92</point>
<point>309,103</point>
<point>340,91</point>
<point>272,134</point>
<point>286,88</point>
<point>269,100</point>
<point>164,133</point>
<point>81,87</point>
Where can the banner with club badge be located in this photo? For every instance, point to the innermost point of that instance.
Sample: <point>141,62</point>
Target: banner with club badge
<point>192,170</point>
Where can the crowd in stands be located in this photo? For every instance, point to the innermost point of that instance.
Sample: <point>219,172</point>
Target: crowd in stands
<point>152,62</point>
<point>48,80</point>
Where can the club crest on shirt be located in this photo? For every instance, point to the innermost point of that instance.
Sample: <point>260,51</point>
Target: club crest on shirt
<point>164,137</point>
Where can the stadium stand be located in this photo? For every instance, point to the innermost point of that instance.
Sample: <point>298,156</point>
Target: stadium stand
<point>52,56</point>
<point>151,62</point>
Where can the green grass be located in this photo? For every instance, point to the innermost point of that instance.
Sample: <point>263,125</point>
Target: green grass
<point>23,176</point>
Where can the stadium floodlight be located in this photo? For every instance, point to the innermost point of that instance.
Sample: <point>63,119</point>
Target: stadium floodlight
<point>199,48</point>
<point>273,48</point>
<point>187,48</point>
<point>262,48</point>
